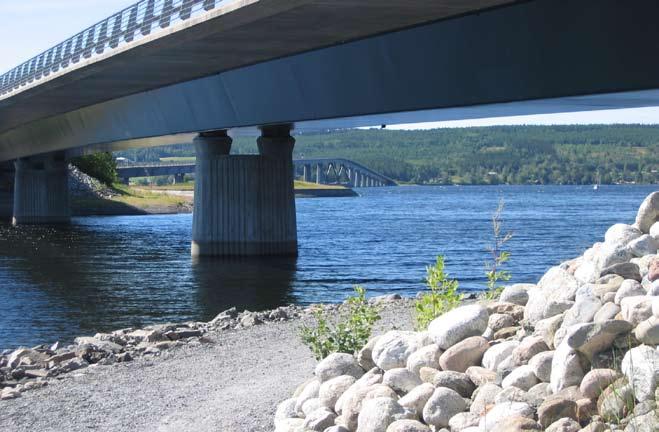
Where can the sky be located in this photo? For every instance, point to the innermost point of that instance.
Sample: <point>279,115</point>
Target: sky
<point>29,27</point>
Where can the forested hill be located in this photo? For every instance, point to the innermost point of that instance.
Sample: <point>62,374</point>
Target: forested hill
<point>501,154</point>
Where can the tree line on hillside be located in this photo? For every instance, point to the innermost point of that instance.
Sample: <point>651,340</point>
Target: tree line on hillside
<point>483,155</point>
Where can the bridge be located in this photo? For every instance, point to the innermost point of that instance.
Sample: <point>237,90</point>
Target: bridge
<point>321,171</point>
<point>175,71</point>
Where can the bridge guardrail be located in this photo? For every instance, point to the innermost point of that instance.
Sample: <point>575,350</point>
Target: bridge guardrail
<point>132,23</point>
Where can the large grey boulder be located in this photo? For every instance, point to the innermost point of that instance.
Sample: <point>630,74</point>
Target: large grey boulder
<point>417,398</point>
<point>641,367</point>
<point>626,270</point>
<point>338,364</point>
<point>458,324</point>
<point>546,328</point>
<point>331,390</point>
<point>567,368</point>
<point>378,413</point>
<point>629,288</point>
<point>540,364</point>
<point>319,420</point>
<point>285,410</point>
<point>310,391</point>
<point>428,356</point>
<point>636,309</point>
<point>521,377</point>
<point>462,421</point>
<point>583,310</point>
<point>613,253</point>
<point>644,245</point>
<point>484,397</point>
<point>442,405</point>
<point>407,426</point>
<point>621,234</point>
<point>555,289</point>
<point>401,379</point>
<point>596,381</point>
<point>608,311</point>
<point>648,212</point>
<point>516,293</point>
<point>647,331</point>
<point>530,346</point>
<point>592,338</point>
<point>502,411</point>
<point>394,348</point>
<point>456,381</point>
<point>496,354</point>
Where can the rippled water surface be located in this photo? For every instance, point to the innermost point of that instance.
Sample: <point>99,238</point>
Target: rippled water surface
<point>104,273</point>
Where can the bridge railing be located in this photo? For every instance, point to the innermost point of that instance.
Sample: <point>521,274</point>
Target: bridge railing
<point>133,23</point>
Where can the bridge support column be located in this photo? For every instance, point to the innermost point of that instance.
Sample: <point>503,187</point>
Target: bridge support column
<point>244,205</point>
<point>6,191</point>
<point>320,178</point>
<point>41,190</point>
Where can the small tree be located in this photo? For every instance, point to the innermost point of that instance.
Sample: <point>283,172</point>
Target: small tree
<point>349,334</point>
<point>442,295</point>
<point>499,256</point>
<point>101,166</point>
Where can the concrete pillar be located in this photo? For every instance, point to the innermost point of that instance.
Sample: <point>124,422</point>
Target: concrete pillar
<point>244,204</point>
<point>41,190</point>
<point>179,178</point>
<point>306,172</point>
<point>6,191</point>
<point>364,181</point>
<point>320,177</point>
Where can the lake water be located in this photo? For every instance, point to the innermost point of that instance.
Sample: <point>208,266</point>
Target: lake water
<point>105,273</point>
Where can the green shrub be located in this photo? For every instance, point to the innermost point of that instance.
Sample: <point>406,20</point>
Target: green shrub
<point>350,332</point>
<point>441,297</point>
<point>101,166</point>
<point>499,256</point>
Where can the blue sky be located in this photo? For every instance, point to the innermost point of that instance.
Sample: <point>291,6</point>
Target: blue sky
<point>32,26</point>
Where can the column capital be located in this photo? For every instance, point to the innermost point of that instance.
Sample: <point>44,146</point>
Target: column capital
<point>212,144</point>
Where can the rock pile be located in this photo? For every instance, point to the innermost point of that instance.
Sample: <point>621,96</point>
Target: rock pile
<point>83,186</point>
<point>575,352</point>
<point>24,369</point>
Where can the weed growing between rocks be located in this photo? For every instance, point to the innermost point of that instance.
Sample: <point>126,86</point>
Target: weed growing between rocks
<point>441,297</point>
<point>349,334</point>
<point>499,256</point>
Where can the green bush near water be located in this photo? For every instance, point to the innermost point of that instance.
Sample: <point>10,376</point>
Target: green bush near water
<point>441,297</point>
<point>101,166</point>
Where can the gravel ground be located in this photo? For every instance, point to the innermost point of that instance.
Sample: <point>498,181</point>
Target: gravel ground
<point>232,384</point>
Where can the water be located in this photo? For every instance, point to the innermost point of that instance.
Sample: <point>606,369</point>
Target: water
<point>105,273</point>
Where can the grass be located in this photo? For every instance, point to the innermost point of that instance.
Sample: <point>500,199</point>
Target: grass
<point>182,159</point>
<point>189,186</point>
<point>141,198</point>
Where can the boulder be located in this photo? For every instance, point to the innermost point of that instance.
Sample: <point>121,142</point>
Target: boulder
<point>636,309</point>
<point>647,332</point>
<point>626,270</point>
<point>331,390</point>
<point>564,425</point>
<point>502,411</point>
<point>462,421</point>
<point>591,338</point>
<point>616,401</point>
<point>613,253</point>
<point>648,212</point>
<point>319,420</point>
<point>641,367</point>
<point>653,270</point>
<point>556,408</point>
<point>365,355</point>
<point>521,377</point>
<point>498,353</point>
<point>516,424</point>
<point>648,422</point>
<point>378,413</point>
<point>644,245</point>
<point>25,356</point>
<point>512,394</point>
<point>596,381</point>
<point>310,406</point>
<point>516,293</point>
<point>621,234</point>
<point>285,410</point>
<point>540,364</point>
<point>479,375</point>
<point>310,391</point>
<point>529,347</point>
<point>546,328</point>
<point>654,231</point>
<point>407,426</point>
<point>484,397</point>
<point>610,284</point>
<point>499,307</point>
<point>428,356</point>
<point>504,333</point>
<point>466,353</point>
<point>567,368</point>
<point>394,347</point>
<point>583,310</point>
<point>416,399</point>
<point>497,322</point>
<point>587,272</point>
<point>458,324</point>
<point>607,312</point>
<point>555,288</point>
<point>338,364</point>
<point>442,406</point>
<point>401,380</point>
<point>456,381</point>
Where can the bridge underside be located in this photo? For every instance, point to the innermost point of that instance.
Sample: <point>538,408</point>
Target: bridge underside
<point>471,66</point>
<point>534,57</point>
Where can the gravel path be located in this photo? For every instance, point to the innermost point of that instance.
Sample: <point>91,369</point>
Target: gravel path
<point>233,384</point>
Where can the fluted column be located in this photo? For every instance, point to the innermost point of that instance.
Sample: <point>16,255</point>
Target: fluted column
<point>244,205</point>
<point>41,190</point>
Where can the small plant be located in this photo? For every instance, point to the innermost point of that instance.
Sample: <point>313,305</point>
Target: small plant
<point>499,256</point>
<point>350,332</point>
<point>442,295</point>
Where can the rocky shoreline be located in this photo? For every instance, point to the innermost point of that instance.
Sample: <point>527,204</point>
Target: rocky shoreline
<point>576,352</point>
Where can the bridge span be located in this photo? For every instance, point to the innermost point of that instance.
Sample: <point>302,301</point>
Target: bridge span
<point>320,171</point>
<point>172,71</point>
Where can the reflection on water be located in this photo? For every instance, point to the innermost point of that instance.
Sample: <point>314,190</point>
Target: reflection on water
<point>105,273</point>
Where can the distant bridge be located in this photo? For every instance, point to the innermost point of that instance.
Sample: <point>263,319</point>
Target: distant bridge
<point>321,171</point>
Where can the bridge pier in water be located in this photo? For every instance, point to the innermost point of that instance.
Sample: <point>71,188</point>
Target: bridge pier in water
<point>41,190</point>
<point>244,204</point>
